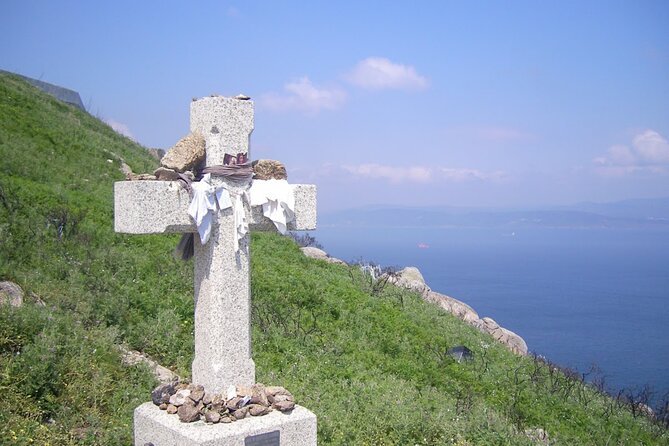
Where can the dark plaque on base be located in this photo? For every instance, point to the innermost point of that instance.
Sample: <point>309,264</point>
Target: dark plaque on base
<point>268,439</point>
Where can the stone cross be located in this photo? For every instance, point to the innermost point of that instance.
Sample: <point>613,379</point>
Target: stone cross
<point>222,286</point>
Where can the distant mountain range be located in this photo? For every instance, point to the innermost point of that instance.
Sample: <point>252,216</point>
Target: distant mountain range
<point>627,213</point>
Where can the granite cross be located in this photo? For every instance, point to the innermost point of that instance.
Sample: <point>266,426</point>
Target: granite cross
<point>222,288</point>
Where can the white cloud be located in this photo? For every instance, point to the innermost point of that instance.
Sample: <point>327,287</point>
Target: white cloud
<point>461,175</point>
<point>651,147</point>
<point>377,73</point>
<point>304,96</point>
<point>649,152</point>
<point>119,127</point>
<point>393,174</point>
<point>421,174</point>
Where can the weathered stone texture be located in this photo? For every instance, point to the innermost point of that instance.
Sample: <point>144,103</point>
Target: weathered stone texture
<point>186,154</point>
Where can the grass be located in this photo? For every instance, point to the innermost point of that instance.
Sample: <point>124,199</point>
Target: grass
<point>372,366</point>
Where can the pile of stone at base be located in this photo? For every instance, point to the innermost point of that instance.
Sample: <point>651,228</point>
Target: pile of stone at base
<point>191,403</point>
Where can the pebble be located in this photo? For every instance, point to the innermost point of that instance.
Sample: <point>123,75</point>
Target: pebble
<point>180,397</point>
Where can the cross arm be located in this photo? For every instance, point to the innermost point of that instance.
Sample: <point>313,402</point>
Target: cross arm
<point>149,207</point>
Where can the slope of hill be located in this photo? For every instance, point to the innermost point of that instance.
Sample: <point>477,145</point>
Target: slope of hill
<point>370,362</point>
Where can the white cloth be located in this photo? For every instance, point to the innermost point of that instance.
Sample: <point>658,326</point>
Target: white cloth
<point>275,196</point>
<point>208,199</point>
<point>277,200</point>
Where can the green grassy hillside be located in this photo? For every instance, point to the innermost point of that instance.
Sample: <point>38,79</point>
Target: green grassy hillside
<point>371,365</point>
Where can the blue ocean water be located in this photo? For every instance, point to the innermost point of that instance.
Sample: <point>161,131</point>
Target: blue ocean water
<point>580,297</point>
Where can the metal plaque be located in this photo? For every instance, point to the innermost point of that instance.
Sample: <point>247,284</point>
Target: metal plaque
<point>268,439</point>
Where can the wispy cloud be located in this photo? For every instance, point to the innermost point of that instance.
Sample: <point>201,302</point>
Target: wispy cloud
<point>119,127</point>
<point>421,174</point>
<point>303,95</point>
<point>393,174</point>
<point>378,73</point>
<point>461,175</point>
<point>649,152</point>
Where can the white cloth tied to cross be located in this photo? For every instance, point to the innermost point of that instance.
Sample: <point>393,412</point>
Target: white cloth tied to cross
<point>277,200</point>
<point>275,196</point>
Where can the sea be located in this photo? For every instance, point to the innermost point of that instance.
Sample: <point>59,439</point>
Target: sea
<point>583,298</point>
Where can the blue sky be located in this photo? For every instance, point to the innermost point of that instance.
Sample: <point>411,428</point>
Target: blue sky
<point>412,103</point>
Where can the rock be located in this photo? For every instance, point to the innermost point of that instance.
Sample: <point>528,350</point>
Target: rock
<point>284,406</point>
<point>181,397</point>
<point>172,409</point>
<point>11,293</point>
<point>188,412</point>
<point>186,154</point>
<point>276,390</point>
<point>314,253</point>
<point>244,391</point>
<point>539,436</point>
<point>125,169</point>
<point>163,406</point>
<point>156,153</point>
<point>226,419</point>
<point>162,374</point>
<point>258,395</point>
<point>140,177</point>
<point>269,170</point>
<point>196,393</point>
<point>212,417</point>
<point>257,410</point>
<point>162,393</point>
<point>233,403</point>
<point>38,300</point>
<point>201,408</point>
<point>281,398</point>
<point>207,398</point>
<point>240,414</point>
<point>510,339</point>
<point>453,306</point>
<point>165,174</point>
<point>319,254</point>
<point>411,278</point>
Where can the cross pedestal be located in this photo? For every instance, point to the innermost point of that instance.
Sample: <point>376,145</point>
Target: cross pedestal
<point>222,284</point>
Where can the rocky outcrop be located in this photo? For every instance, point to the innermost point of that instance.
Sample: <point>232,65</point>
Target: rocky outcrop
<point>186,154</point>
<point>11,294</point>
<point>453,306</point>
<point>412,279</point>
<point>133,357</point>
<point>157,154</point>
<point>319,254</point>
<point>514,342</point>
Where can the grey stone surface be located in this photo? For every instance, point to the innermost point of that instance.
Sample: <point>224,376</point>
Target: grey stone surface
<point>225,123</point>
<point>133,357</point>
<point>412,279</point>
<point>222,282</point>
<point>148,207</point>
<point>453,306</point>
<point>511,340</point>
<point>316,253</point>
<point>152,425</point>
<point>11,293</point>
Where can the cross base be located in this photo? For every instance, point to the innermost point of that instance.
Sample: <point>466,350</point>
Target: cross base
<point>158,428</point>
